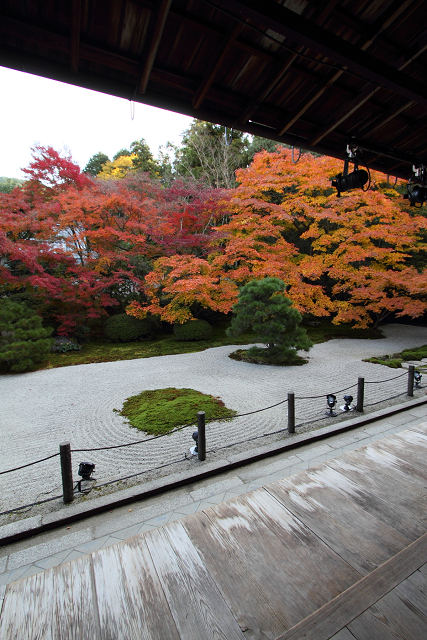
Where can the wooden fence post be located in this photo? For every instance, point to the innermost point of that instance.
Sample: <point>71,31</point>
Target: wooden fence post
<point>291,412</point>
<point>411,372</point>
<point>201,443</point>
<point>66,472</point>
<point>360,393</point>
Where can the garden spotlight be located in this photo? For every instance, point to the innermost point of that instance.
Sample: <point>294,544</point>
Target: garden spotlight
<point>347,406</point>
<point>332,401</point>
<point>417,379</point>
<point>357,179</point>
<point>85,470</point>
<point>194,450</point>
<point>417,192</point>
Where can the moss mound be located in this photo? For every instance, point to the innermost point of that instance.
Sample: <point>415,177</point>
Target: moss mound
<point>192,330</point>
<point>161,410</point>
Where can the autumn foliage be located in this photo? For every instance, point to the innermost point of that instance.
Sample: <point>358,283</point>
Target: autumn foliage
<point>82,248</point>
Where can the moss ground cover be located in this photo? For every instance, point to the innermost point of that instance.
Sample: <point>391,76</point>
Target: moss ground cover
<point>161,410</point>
<point>394,361</point>
<point>166,345</point>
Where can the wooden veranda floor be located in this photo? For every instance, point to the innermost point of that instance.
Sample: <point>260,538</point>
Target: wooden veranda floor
<point>339,551</point>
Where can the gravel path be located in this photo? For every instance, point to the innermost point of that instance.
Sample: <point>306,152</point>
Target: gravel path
<point>41,409</point>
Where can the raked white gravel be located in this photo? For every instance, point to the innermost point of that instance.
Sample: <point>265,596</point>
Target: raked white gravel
<point>41,409</point>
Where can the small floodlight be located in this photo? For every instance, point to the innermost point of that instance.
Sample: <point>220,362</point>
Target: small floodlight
<point>357,179</point>
<point>332,401</point>
<point>347,406</point>
<point>194,450</point>
<point>417,190</point>
<point>417,379</point>
<point>85,470</point>
<point>354,180</point>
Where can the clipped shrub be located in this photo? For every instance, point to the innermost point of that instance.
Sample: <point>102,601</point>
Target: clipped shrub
<point>24,342</point>
<point>65,345</point>
<point>124,328</point>
<point>192,330</point>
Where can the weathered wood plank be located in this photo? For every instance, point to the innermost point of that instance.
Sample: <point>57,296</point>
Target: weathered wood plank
<point>397,614</point>
<point>419,579</point>
<point>370,626</point>
<point>385,464</point>
<point>401,520</point>
<point>410,448</point>
<point>360,597</point>
<point>406,498</point>
<point>196,603</point>
<point>344,634</point>
<point>54,604</point>
<point>361,539</point>
<point>275,569</point>
<point>131,600</point>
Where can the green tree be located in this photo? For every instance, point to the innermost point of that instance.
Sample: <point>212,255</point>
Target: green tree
<point>120,153</point>
<point>142,158</point>
<point>95,164</point>
<point>7,185</point>
<point>23,340</point>
<point>206,155</point>
<point>263,308</point>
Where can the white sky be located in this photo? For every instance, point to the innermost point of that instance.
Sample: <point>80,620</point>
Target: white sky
<point>34,109</point>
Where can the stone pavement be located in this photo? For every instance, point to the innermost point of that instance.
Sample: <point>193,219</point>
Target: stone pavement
<point>28,557</point>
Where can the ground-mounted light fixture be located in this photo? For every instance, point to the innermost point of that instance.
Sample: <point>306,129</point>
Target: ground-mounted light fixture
<point>194,450</point>
<point>85,472</point>
<point>416,189</point>
<point>347,406</point>
<point>332,401</point>
<point>417,379</point>
<point>357,179</point>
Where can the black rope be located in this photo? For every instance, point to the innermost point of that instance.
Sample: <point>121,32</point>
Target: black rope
<point>323,394</point>
<point>29,464</point>
<point>371,404</point>
<point>192,424</point>
<point>388,380</point>
<point>140,473</point>
<point>29,506</point>
<point>130,444</point>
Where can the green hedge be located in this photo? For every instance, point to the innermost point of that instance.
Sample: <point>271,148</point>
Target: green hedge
<point>192,330</point>
<point>124,328</point>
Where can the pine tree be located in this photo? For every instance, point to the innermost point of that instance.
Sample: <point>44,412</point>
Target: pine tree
<point>263,308</point>
<point>24,342</point>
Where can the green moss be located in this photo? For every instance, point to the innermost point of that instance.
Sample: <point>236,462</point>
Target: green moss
<point>161,410</point>
<point>165,345</point>
<point>394,361</point>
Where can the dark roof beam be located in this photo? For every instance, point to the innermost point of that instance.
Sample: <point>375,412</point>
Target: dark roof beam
<point>287,23</point>
<point>280,68</point>
<point>385,118</point>
<point>283,64</point>
<point>159,26</point>
<point>217,60</point>
<point>75,35</point>
<point>377,28</point>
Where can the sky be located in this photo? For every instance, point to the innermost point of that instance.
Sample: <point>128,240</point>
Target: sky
<point>37,110</point>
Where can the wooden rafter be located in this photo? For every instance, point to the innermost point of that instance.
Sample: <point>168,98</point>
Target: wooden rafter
<point>218,60</point>
<point>161,17</point>
<point>291,25</point>
<point>379,26</point>
<point>75,35</point>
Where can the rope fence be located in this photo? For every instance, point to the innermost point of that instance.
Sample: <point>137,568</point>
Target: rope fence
<point>311,417</point>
